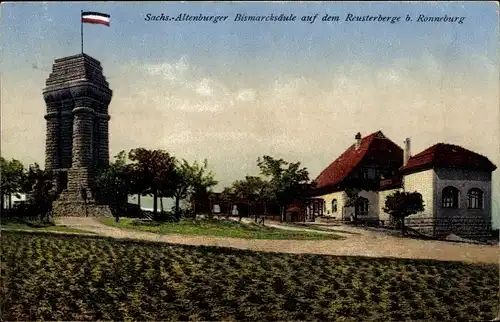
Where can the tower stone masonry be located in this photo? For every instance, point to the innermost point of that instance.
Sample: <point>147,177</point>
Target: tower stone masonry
<point>77,97</point>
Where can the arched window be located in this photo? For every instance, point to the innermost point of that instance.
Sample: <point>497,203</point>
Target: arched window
<point>334,205</point>
<point>450,197</point>
<point>475,199</point>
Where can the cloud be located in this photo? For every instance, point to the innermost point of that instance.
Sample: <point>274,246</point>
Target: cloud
<point>195,113</point>
<point>179,85</point>
<point>285,88</point>
<point>174,72</point>
<point>190,137</point>
<point>203,88</point>
<point>390,76</point>
<point>45,11</point>
<point>246,95</point>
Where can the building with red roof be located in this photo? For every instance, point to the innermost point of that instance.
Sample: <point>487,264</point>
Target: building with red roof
<point>444,155</point>
<point>455,184</point>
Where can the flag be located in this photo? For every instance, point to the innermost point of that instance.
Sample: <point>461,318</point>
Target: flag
<point>95,17</point>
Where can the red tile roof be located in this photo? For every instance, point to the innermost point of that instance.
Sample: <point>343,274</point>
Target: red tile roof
<point>447,156</point>
<point>375,145</point>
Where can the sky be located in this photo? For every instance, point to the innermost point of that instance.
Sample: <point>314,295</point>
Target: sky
<point>233,91</point>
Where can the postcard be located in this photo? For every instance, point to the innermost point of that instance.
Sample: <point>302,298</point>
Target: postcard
<point>275,161</point>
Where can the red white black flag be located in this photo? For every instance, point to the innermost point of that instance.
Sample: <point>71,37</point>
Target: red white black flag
<point>95,17</point>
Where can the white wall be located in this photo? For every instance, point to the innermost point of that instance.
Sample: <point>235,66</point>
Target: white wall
<point>373,204</point>
<point>424,183</point>
<point>328,201</point>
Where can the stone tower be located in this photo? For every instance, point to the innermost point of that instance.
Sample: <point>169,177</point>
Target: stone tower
<point>77,97</point>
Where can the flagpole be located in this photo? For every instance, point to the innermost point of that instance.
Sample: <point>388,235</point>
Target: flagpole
<point>81,28</point>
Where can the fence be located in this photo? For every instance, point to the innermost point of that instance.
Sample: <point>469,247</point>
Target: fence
<point>473,227</point>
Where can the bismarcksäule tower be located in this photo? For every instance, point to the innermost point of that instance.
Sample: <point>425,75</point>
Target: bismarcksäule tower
<point>77,97</point>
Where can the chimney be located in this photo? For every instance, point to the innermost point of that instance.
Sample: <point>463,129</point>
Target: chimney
<point>407,151</point>
<point>358,140</point>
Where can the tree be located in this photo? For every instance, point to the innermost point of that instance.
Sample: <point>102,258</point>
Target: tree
<point>253,189</point>
<point>353,199</point>
<point>288,181</point>
<point>249,188</point>
<point>183,179</point>
<point>38,186</point>
<point>138,179</point>
<point>191,181</point>
<point>201,181</point>
<point>113,183</point>
<point>227,197</point>
<point>154,174</point>
<point>266,194</point>
<point>402,204</point>
<point>12,175</point>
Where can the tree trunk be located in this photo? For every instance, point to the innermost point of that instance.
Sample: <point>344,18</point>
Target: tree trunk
<point>139,200</point>
<point>161,204</point>
<point>10,201</point>
<point>155,202</point>
<point>177,200</point>
<point>403,229</point>
<point>2,202</point>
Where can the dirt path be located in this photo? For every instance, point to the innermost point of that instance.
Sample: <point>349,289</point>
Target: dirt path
<point>285,227</point>
<point>370,244</point>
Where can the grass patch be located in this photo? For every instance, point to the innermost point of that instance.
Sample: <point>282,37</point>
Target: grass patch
<point>67,278</point>
<point>218,228</point>
<point>19,225</point>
